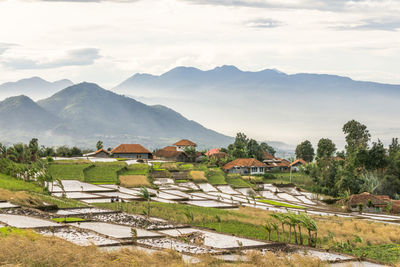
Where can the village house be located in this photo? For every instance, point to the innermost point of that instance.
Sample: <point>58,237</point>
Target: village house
<point>368,202</point>
<point>275,163</point>
<point>183,144</point>
<point>295,165</point>
<point>245,166</point>
<point>134,151</point>
<point>101,153</point>
<point>170,153</point>
<point>216,153</point>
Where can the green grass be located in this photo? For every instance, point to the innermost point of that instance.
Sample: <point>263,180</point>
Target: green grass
<point>200,167</point>
<point>6,231</point>
<point>181,181</point>
<point>68,171</point>
<point>61,203</point>
<point>216,177</point>
<point>236,181</point>
<point>104,172</point>
<point>13,184</point>
<point>388,253</point>
<point>186,167</point>
<point>276,203</point>
<point>68,219</point>
<point>136,169</point>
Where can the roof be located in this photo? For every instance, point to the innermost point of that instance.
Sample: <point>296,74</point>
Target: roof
<point>268,156</point>
<point>185,142</point>
<point>298,161</point>
<point>170,148</point>
<point>244,163</point>
<point>97,152</point>
<point>164,153</point>
<point>130,148</point>
<point>212,151</point>
<point>364,199</point>
<point>219,155</point>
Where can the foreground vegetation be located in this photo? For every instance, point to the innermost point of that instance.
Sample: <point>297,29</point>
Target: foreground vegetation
<point>25,248</point>
<point>339,234</point>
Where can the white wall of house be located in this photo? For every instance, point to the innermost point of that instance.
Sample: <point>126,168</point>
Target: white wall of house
<point>257,170</point>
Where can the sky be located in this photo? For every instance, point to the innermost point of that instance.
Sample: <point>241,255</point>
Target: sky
<point>108,41</point>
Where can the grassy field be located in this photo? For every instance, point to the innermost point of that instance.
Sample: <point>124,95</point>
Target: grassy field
<point>136,169</point>
<point>216,176</point>
<point>71,171</point>
<point>62,203</point>
<point>104,172</point>
<point>235,180</point>
<point>250,222</point>
<point>13,184</point>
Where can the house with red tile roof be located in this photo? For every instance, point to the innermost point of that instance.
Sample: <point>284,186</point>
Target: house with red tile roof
<point>369,202</point>
<point>134,151</point>
<point>183,144</point>
<point>101,153</point>
<point>295,165</point>
<point>245,166</point>
<point>171,153</point>
<point>275,163</point>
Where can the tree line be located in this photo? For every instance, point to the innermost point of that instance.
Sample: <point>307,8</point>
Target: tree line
<point>363,166</point>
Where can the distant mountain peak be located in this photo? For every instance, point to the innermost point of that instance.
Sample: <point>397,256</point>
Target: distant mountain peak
<point>230,68</point>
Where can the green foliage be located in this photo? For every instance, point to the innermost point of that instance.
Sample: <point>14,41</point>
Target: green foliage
<point>326,148</point>
<point>99,145</point>
<point>357,136</point>
<point>305,151</point>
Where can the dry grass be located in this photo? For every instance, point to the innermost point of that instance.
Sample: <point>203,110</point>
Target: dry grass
<point>198,176</point>
<point>252,178</point>
<point>20,198</point>
<point>169,166</point>
<point>134,180</point>
<point>25,248</point>
<point>343,229</point>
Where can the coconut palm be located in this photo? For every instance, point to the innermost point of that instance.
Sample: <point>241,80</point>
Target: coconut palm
<point>311,226</point>
<point>281,218</point>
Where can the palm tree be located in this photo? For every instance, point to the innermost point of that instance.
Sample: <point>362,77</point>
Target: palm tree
<point>311,226</point>
<point>268,227</point>
<point>291,220</point>
<point>144,193</point>
<point>276,228</point>
<point>281,218</point>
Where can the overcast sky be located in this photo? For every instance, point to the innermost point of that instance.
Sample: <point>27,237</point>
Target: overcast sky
<point>108,41</point>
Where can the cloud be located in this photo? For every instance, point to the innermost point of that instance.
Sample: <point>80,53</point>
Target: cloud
<point>387,24</point>
<point>90,1</point>
<point>76,57</point>
<point>5,46</point>
<point>331,5</point>
<point>263,23</point>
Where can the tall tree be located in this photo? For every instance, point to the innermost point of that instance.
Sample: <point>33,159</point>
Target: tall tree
<point>305,151</point>
<point>34,149</point>
<point>267,148</point>
<point>394,147</point>
<point>99,144</point>
<point>357,136</point>
<point>254,150</point>
<point>377,157</point>
<point>326,148</point>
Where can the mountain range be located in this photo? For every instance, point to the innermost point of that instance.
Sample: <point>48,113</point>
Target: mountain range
<point>35,87</point>
<point>270,104</point>
<point>84,113</point>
